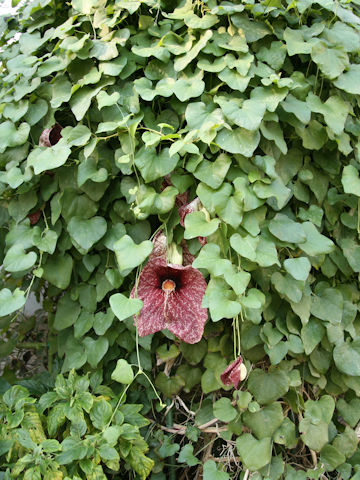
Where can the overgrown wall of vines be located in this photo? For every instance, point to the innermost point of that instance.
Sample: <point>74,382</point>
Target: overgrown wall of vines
<point>114,114</point>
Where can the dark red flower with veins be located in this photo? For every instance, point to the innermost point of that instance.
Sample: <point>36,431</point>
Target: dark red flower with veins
<point>50,136</point>
<point>172,296</point>
<point>234,373</point>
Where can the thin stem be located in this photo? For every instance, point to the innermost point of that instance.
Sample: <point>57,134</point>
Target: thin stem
<point>137,351</point>
<point>205,446</point>
<point>169,424</point>
<point>109,136</point>
<point>45,220</point>
<point>235,338</point>
<point>137,316</point>
<point>28,290</point>
<point>153,387</point>
<point>92,26</point>
<point>119,402</point>
<point>316,79</point>
<point>238,333</point>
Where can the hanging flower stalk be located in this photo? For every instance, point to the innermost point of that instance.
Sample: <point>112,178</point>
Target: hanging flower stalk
<point>172,296</point>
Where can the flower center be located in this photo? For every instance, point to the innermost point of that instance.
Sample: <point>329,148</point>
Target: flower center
<point>168,285</point>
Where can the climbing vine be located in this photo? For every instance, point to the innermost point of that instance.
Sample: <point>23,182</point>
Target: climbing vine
<point>115,116</point>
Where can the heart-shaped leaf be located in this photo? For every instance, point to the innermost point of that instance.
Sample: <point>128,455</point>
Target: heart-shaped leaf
<point>129,255</point>
<point>299,268</point>
<point>11,301</point>
<point>196,225</point>
<point>245,246</point>
<point>11,135</point>
<point>254,453</point>
<point>238,140</point>
<point>47,158</point>
<point>153,165</point>
<point>46,241</point>
<point>16,260</point>
<point>211,472</point>
<point>85,233</point>
<point>95,349</point>
<point>124,307</point>
<point>123,372</point>
<point>347,357</point>
<point>76,136</point>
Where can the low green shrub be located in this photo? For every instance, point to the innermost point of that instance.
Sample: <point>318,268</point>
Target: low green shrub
<point>78,429</point>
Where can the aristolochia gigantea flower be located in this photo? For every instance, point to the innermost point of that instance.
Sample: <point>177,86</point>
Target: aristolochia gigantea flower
<point>234,373</point>
<point>172,296</point>
<point>50,136</point>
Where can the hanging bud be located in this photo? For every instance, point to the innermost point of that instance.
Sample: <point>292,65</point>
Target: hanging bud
<point>34,217</point>
<point>235,373</point>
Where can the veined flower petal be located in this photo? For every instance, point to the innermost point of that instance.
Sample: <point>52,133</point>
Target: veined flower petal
<point>184,315</point>
<point>179,308</point>
<point>151,318</point>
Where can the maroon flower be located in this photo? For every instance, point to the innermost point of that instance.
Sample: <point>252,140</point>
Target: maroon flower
<point>234,373</point>
<point>50,136</point>
<point>34,217</point>
<point>172,296</point>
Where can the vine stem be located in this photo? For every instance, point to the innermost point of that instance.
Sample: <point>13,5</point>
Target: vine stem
<point>140,369</point>
<point>139,372</point>
<point>137,351</point>
<point>235,337</point>
<point>119,401</point>
<point>172,462</point>
<point>153,387</point>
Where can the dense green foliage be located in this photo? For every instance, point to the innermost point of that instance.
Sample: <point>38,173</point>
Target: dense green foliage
<point>95,428</point>
<point>253,107</point>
